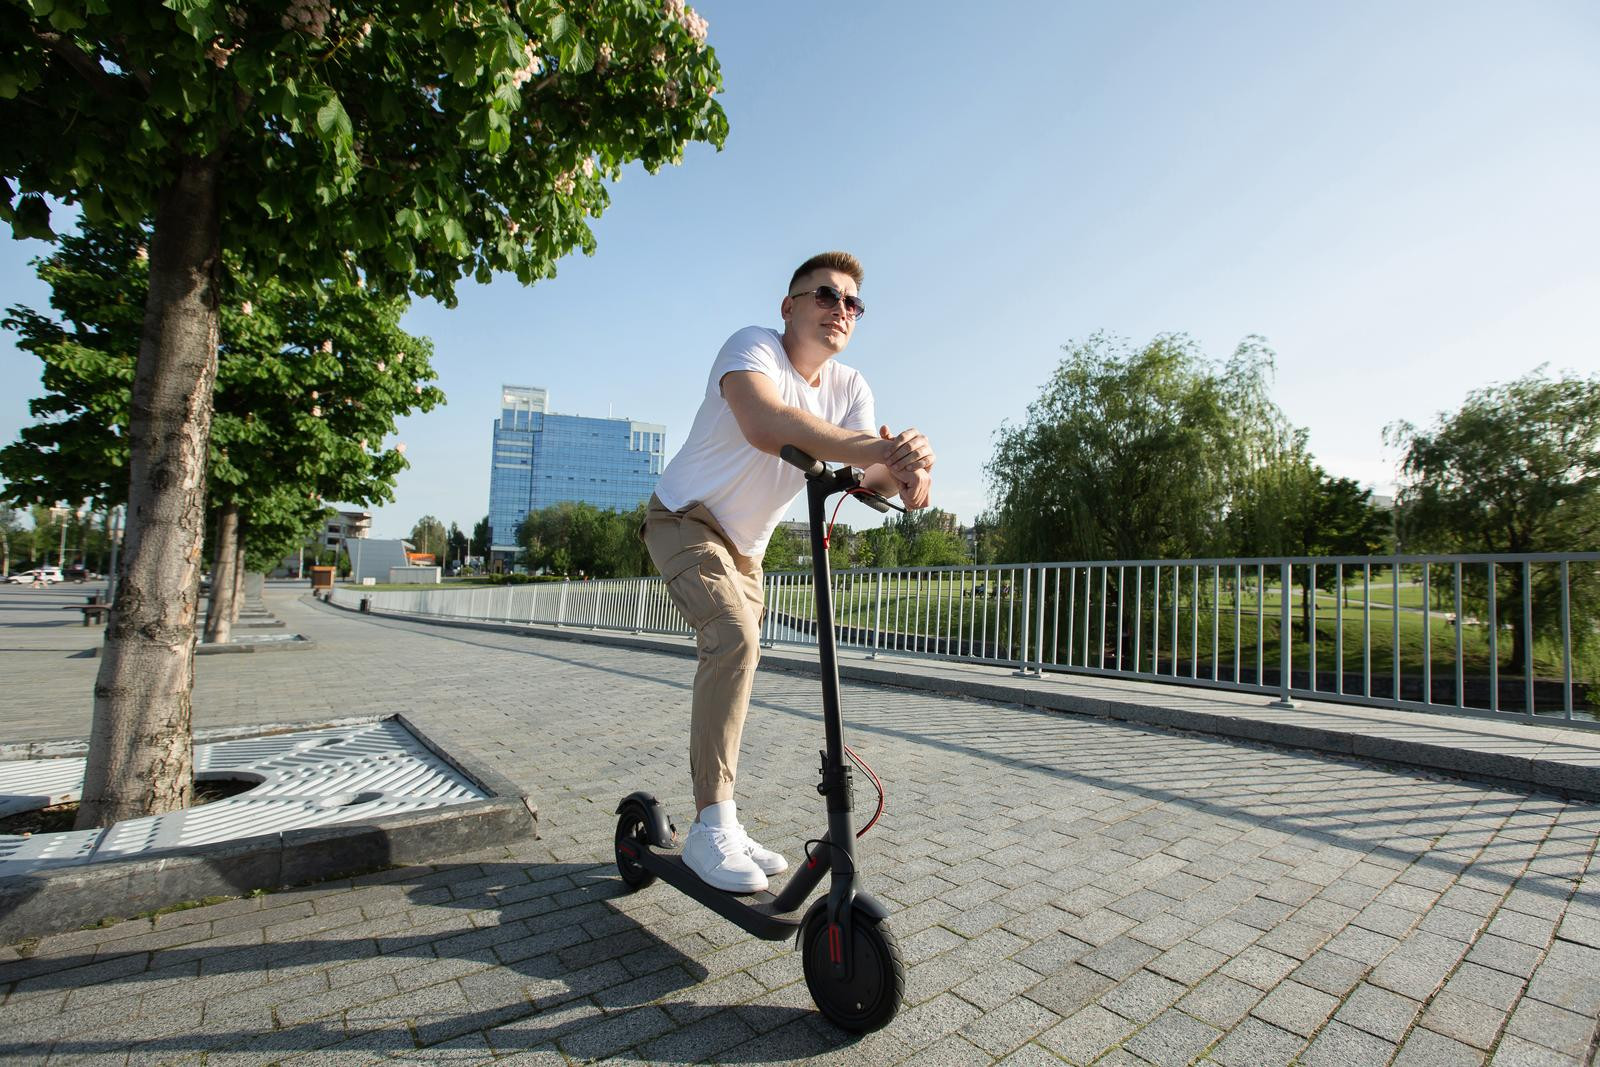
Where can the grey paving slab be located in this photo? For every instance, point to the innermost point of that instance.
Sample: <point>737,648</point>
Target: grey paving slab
<point>1065,887</point>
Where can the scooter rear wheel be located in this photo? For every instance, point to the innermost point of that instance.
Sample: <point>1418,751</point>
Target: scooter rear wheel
<point>869,999</point>
<point>632,838</point>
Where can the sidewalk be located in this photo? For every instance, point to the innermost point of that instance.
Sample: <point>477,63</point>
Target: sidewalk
<point>1064,887</point>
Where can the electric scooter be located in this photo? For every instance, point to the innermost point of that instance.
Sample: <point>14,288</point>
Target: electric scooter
<point>850,957</point>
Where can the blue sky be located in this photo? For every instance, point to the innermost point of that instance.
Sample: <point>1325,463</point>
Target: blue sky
<point>1399,197</point>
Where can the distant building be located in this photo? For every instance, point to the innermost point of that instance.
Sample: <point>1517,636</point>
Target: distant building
<point>344,525</point>
<point>541,458</point>
<point>333,532</point>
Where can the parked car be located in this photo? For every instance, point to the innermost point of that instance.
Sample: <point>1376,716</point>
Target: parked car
<point>49,574</point>
<point>76,573</point>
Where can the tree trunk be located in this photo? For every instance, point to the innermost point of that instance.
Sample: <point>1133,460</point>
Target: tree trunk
<point>141,749</point>
<point>238,576</point>
<point>1519,644</point>
<point>224,586</point>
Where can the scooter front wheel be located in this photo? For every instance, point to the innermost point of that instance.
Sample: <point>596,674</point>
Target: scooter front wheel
<point>633,836</point>
<point>870,996</point>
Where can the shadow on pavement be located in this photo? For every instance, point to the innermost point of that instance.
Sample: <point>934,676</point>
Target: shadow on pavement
<point>532,956</point>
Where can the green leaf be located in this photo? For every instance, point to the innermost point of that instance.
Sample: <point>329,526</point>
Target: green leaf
<point>410,220</point>
<point>196,15</point>
<point>580,58</point>
<point>31,218</point>
<point>65,19</point>
<point>332,120</point>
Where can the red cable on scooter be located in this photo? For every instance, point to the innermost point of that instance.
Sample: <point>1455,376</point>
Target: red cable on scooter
<point>875,784</point>
<point>827,538</point>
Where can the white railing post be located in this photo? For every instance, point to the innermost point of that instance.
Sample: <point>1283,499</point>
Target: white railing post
<point>1027,602</point>
<point>1285,640</point>
<point>877,615</point>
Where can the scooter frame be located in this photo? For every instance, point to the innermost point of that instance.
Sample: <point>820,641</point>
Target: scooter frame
<point>768,916</point>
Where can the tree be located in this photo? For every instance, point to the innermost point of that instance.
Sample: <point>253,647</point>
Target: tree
<point>308,385</point>
<point>885,547</point>
<point>988,539</point>
<point>406,148</point>
<point>456,544</point>
<point>785,550</point>
<point>10,527</point>
<point>1516,469</point>
<point>1285,504</point>
<point>1132,453</point>
<point>429,536</point>
<point>480,538</point>
<point>931,538</point>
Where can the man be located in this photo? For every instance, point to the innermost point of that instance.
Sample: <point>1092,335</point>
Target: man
<point>719,499</point>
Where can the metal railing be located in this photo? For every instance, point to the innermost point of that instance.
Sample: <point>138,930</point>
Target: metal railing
<point>1502,636</point>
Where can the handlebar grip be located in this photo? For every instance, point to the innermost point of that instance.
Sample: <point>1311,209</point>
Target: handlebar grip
<point>811,467</point>
<point>874,501</point>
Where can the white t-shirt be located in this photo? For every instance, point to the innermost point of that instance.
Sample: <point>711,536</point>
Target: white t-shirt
<point>746,489</point>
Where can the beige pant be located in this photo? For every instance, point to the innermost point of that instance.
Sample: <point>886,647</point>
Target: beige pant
<point>718,591</point>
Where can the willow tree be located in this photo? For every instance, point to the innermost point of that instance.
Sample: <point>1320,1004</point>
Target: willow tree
<point>1516,469</point>
<point>1128,453</point>
<point>406,145</point>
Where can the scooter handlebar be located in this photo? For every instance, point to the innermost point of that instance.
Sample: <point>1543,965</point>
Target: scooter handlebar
<point>811,467</point>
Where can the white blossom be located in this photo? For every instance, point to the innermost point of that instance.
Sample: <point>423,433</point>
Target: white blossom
<point>532,67</point>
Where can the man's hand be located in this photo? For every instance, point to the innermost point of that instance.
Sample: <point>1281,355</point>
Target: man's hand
<point>910,452</point>
<point>916,493</point>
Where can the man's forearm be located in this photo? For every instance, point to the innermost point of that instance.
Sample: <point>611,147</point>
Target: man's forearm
<point>879,479</point>
<point>819,439</point>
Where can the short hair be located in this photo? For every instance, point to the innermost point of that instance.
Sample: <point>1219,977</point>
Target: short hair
<point>843,262</point>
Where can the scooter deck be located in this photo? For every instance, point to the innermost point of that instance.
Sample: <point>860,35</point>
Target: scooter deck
<point>754,912</point>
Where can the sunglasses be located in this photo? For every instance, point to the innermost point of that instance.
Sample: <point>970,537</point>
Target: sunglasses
<point>828,298</point>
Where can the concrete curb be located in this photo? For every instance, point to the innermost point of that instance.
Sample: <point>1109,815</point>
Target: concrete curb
<point>203,649</point>
<point>296,645</point>
<point>1578,779</point>
<point>67,898</point>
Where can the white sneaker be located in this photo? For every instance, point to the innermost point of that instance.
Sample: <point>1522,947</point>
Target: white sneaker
<point>717,854</point>
<point>769,861</point>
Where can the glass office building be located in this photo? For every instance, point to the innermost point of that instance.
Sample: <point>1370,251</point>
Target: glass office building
<point>541,458</point>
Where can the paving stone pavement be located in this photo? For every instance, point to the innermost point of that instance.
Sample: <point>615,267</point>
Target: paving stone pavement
<point>1063,889</point>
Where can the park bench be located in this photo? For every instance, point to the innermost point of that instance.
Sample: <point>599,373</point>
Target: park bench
<point>94,611</point>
